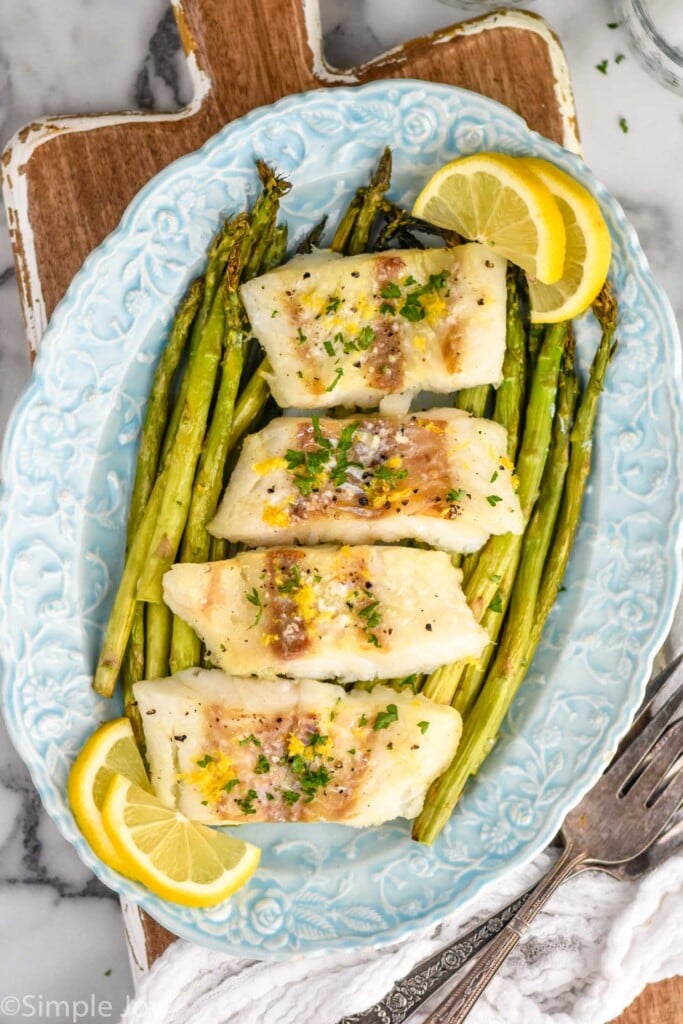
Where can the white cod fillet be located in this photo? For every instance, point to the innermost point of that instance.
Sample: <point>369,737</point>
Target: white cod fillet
<point>354,330</point>
<point>227,751</point>
<point>346,613</point>
<point>440,476</point>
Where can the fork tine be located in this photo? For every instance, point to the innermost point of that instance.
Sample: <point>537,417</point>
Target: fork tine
<point>630,758</point>
<point>645,713</point>
<point>670,798</point>
<point>668,749</point>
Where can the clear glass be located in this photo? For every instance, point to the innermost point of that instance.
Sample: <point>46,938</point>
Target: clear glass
<point>482,6</point>
<point>655,28</point>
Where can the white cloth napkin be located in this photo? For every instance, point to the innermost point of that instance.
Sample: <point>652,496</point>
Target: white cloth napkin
<point>587,957</point>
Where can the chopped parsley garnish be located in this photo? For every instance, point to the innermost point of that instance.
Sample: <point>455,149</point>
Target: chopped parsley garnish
<point>454,495</point>
<point>274,314</point>
<point>338,474</point>
<point>362,720</point>
<point>407,281</point>
<point>623,124</point>
<point>290,796</point>
<point>412,309</point>
<point>391,291</point>
<point>602,67</point>
<point>423,726</point>
<point>371,615</point>
<point>262,765</point>
<point>293,581</point>
<point>300,336</point>
<point>246,803</point>
<point>316,740</point>
<point>250,739</point>
<point>385,718</point>
<point>494,477</point>
<point>436,282</point>
<point>497,604</point>
<point>255,598</point>
<point>229,786</point>
<point>269,796</point>
<point>329,348</point>
<point>309,467</point>
<point>339,373</point>
<point>310,779</point>
<point>389,474</point>
<point>493,499</point>
<point>205,761</point>
<point>333,304</point>
<point>365,338</point>
<point>495,577</point>
<point>387,308</point>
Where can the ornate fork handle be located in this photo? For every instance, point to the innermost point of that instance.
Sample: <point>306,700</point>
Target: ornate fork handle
<point>428,976</point>
<point>456,1006</point>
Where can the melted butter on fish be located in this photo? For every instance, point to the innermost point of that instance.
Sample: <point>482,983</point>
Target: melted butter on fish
<point>355,330</point>
<point>441,477</point>
<point>226,750</point>
<point>346,613</point>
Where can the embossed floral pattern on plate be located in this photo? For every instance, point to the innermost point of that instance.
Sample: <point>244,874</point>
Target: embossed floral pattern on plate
<point>68,464</point>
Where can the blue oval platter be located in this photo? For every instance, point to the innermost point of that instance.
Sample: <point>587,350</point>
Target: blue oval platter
<point>68,464</point>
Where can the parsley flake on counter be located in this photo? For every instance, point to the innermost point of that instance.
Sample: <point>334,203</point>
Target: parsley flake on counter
<point>386,717</point>
<point>623,124</point>
<point>612,24</point>
<point>619,57</point>
<point>602,67</point>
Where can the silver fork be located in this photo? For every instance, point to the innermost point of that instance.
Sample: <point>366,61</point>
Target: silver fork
<point>619,818</point>
<point>427,977</point>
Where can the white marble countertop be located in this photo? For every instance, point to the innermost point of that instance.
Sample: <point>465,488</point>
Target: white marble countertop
<point>61,937</point>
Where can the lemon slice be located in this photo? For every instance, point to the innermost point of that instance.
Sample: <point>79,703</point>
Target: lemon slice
<point>112,749</point>
<point>494,198</point>
<point>588,250</point>
<point>178,859</point>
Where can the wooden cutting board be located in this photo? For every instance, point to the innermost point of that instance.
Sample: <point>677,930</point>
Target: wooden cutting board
<point>67,180</point>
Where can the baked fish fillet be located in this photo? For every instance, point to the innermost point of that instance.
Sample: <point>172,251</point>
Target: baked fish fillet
<point>441,477</point>
<point>354,330</point>
<point>226,750</point>
<point>346,613</point>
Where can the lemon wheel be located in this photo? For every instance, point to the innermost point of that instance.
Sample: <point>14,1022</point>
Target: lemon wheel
<point>110,750</point>
<point>178,859</point>
<point>587,254</point>
<point>495,199</point>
